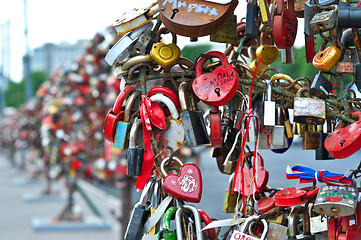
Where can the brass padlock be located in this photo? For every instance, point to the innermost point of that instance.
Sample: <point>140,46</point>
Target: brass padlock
<point>327,59</point>
<point>230,200</point>
<point>228,33</point>
<point>311,140</point>
<point>268,53</point>
<point>165,54</point>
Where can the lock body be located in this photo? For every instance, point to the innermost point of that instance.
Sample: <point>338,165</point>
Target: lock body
<point>321,86</point>
<point>309,110</point>
<point>327,59</point>
<point>323,21</point>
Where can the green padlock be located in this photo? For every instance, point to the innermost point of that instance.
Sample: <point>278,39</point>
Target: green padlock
<point>165,233</point>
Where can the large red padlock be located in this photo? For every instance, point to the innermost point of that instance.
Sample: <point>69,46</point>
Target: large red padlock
<point>115,114</point>
<point>345,140</point>
<point>261,178</point>
<point>284,25</point>
<point>218,87</point>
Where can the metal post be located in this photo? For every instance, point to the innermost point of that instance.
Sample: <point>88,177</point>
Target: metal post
<point>27,59</point>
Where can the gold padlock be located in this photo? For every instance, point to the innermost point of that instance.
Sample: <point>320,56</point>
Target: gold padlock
<point>327,59</point>
<point>165,54</point>
<point>269,53</point>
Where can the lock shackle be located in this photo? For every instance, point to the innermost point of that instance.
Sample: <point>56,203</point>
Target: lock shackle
<point>259,158</point>
<point>121,97</point>
<point>182,61</point>
<point>129,105</point>
<point>213,54</point>
<point>182,96</point>
<point>169,214</point>
<point>197,220</point>
<point>239,66</point>
<point>301,92</point>
<point>251,50</point>
<point>168,102</point>
<point>165,30</point>
<point>269,90</point>
<point>133,132</point>
<point>281,76</point>
<point>343,124</point>
<point>137,66</point>
<point>146,193</point>
<point>165,160</point>
<point>167,92</point>
<point>252,219</point>
<point>135,60</point>
<point>211,232</point>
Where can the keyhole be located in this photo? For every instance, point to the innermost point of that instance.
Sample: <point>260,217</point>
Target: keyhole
<point>342,142</point>
<point>217,90</point>
<point>175,11</point>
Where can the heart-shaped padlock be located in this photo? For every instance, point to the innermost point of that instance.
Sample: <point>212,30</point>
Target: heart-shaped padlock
<point>261,179</point>
<point>218,87</point>
<point>165,54</point>
<point>187,185</point>
<point>268,53</point>
<point>345,141</point>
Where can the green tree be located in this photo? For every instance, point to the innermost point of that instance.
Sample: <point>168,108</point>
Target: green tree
<point>15,95</point>
<point>192,51</point>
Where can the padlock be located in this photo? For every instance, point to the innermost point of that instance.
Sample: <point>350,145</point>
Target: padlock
<point>346,65</point>
<point>228,33</point>
<point>174,136</point>
<point>299,129</point>
<point>348,17</point>
<point>166,233</point>
<point>136,18</point>
<point>197,221</point>
<point>311,140</point>
<point>285,23</point>
<point>193,121</point>
<point>323,154</point>
<point>268,53</point>
<point>187,185</point>
<point>292,224</point>
<point>219,87</point>
<point>321,86</point>
<point>286,122</point>
<point>307,110</point>
<point>345,141</point>
<point>139,214</point>
<point>123,48</point>
<point>249,180</point>
<point>310,48</point>
<point>251,19</point>
<point>254,63</point>
<point>165,54</point>
<point>276,231</point>
<point>279,139</point>
<point>215,127</point>
<point>318,223</point>
<point>195,18</point>
<point>310,9</point>
<point>336,201</point>
<point>135,152</point>
<point>242,234</point>
<point>327,59</point>
<point>265,16</point>
<point>121,138</point>
<point>230,200</point>
<point>114,115</point>
<point>269,118</point>
<point>293,196</point>
<point>324,21</point>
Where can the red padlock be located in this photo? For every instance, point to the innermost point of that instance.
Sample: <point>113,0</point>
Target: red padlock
<point>115,115</point>
<point>284,25</point>
<point>261,179</point>
<point>289,197</point>
<point>345,140</point>
<point>215,126</point>
<point>219,87</point>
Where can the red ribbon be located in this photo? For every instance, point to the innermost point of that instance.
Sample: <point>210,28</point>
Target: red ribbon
<point>150,113</point>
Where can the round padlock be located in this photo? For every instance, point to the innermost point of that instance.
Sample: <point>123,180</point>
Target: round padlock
<point>220,86</point>
<point>290,197</point>
<point>268,53</point>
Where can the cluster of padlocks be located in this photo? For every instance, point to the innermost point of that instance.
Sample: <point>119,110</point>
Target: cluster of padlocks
<point>167,101</point>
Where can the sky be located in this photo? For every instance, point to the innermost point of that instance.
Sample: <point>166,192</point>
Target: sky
<point>68,20</point>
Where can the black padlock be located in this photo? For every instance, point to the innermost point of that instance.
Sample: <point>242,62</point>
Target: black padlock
<point>321,86</point>
<point>193,121</point>
<point>348,16</point>
<point>140,214</point>
<point>135,152</point>
<point>322,153</point>
<point>251,17</point>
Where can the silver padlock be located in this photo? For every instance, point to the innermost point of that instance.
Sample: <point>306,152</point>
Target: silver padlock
<point>324,20</point>
<point>279,139</point>
<point>269,118</point>
<point>197,223</point>
<point>122,49</point>
<point>238,235</point>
